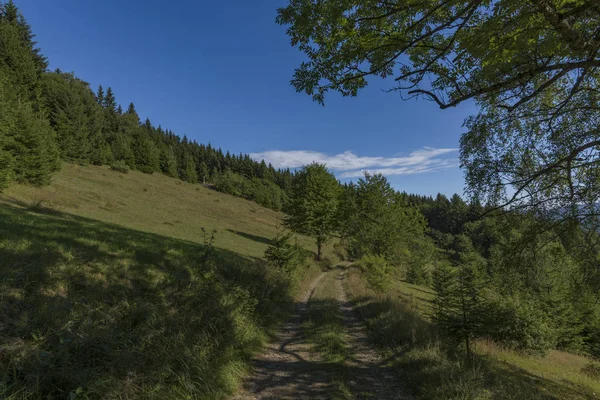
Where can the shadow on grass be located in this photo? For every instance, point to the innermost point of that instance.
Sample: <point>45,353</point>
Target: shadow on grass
<point>432,370</point>
<point>98,310</point>
<point>258,239</point>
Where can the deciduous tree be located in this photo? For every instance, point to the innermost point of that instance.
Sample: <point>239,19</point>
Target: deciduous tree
<point>312,207</point>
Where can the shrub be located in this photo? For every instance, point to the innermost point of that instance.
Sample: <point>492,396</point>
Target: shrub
<point>284,256</point>
<point>262,191</point>
<point>377,272</point>
<point>340,251</point>
<point>120,166</point>
<point>418,274</point>
<point>518,323</point>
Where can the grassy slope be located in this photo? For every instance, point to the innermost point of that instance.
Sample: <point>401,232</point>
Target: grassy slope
<point>108,288</point>
<point>398,325</point>
<point>157,204</point>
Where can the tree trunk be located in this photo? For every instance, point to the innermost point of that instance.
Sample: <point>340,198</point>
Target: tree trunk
<point>319,245</point>
<point>468,346</point>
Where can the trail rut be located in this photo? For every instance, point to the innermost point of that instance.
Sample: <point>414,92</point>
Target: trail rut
<point>371,379</point>
<point>290,368</point>
<point>285,370</point>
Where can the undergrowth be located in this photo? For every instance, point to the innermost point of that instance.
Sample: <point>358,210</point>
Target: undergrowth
<point>435,369</point>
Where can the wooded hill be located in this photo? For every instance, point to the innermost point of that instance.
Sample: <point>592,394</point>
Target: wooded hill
<point>48,116</point>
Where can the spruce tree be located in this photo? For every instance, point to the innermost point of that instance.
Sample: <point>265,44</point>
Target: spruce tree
<point>444,286</point>
<point>187,169</point>
<point>168,161</point>
<point>35,151</point>
<point>145,152</point>
<point>458,308</point>
<point>283,255</point>
<point>7,126</point>
<point>6,167</point>
<point>110,102</point>
<point>73,112</point>
<point>100,96</point>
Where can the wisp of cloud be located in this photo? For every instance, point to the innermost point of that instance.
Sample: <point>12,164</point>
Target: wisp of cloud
<point>349,165</point>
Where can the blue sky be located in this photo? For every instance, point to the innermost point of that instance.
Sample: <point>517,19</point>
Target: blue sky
<point>219,72</point>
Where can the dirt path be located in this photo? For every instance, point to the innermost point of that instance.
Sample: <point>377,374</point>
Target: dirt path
<point>371,379</point>
<point>290,368</point>
<point>285,370</point>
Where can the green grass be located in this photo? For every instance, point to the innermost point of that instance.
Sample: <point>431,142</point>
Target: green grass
<point>157,204</point>
<point>431,369</point>
<point>109,288</point>
<point>324,329</point>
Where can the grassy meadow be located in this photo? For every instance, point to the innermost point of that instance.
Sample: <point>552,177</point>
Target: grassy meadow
<point>398,324</point>
<point>115,286</point>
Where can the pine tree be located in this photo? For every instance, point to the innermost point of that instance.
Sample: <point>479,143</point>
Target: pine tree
<point>145,152</point>
<point>100,96</point>
<point>187,169</point>
<point>168,161</point>
<point>110,102</point>
<point>35,151</point>
<point>458,307</point>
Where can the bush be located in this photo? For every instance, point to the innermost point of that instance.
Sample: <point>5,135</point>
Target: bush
<point>340,251</point>
<point>377,272</point>
<point>120,166</point>
<point>286,257</point>
<point>518,323</point>
<point>418,274</point>
<point>261,191</point>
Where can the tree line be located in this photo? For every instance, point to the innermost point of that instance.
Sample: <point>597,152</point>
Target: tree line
<point>49,116</point>
<point>518,278</point>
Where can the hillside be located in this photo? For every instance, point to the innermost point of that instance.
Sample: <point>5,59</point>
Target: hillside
<point>110,288</point>
<point>156,204</point>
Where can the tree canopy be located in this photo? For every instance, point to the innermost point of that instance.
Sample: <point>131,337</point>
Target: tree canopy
<point>313,204</point>
<point>531,66</point>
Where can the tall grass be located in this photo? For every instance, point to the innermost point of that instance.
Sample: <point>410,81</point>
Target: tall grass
<point>432,368</point>
<point>93,310</point>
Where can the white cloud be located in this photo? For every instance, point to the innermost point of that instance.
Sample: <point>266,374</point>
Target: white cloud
<point>349,165</point>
